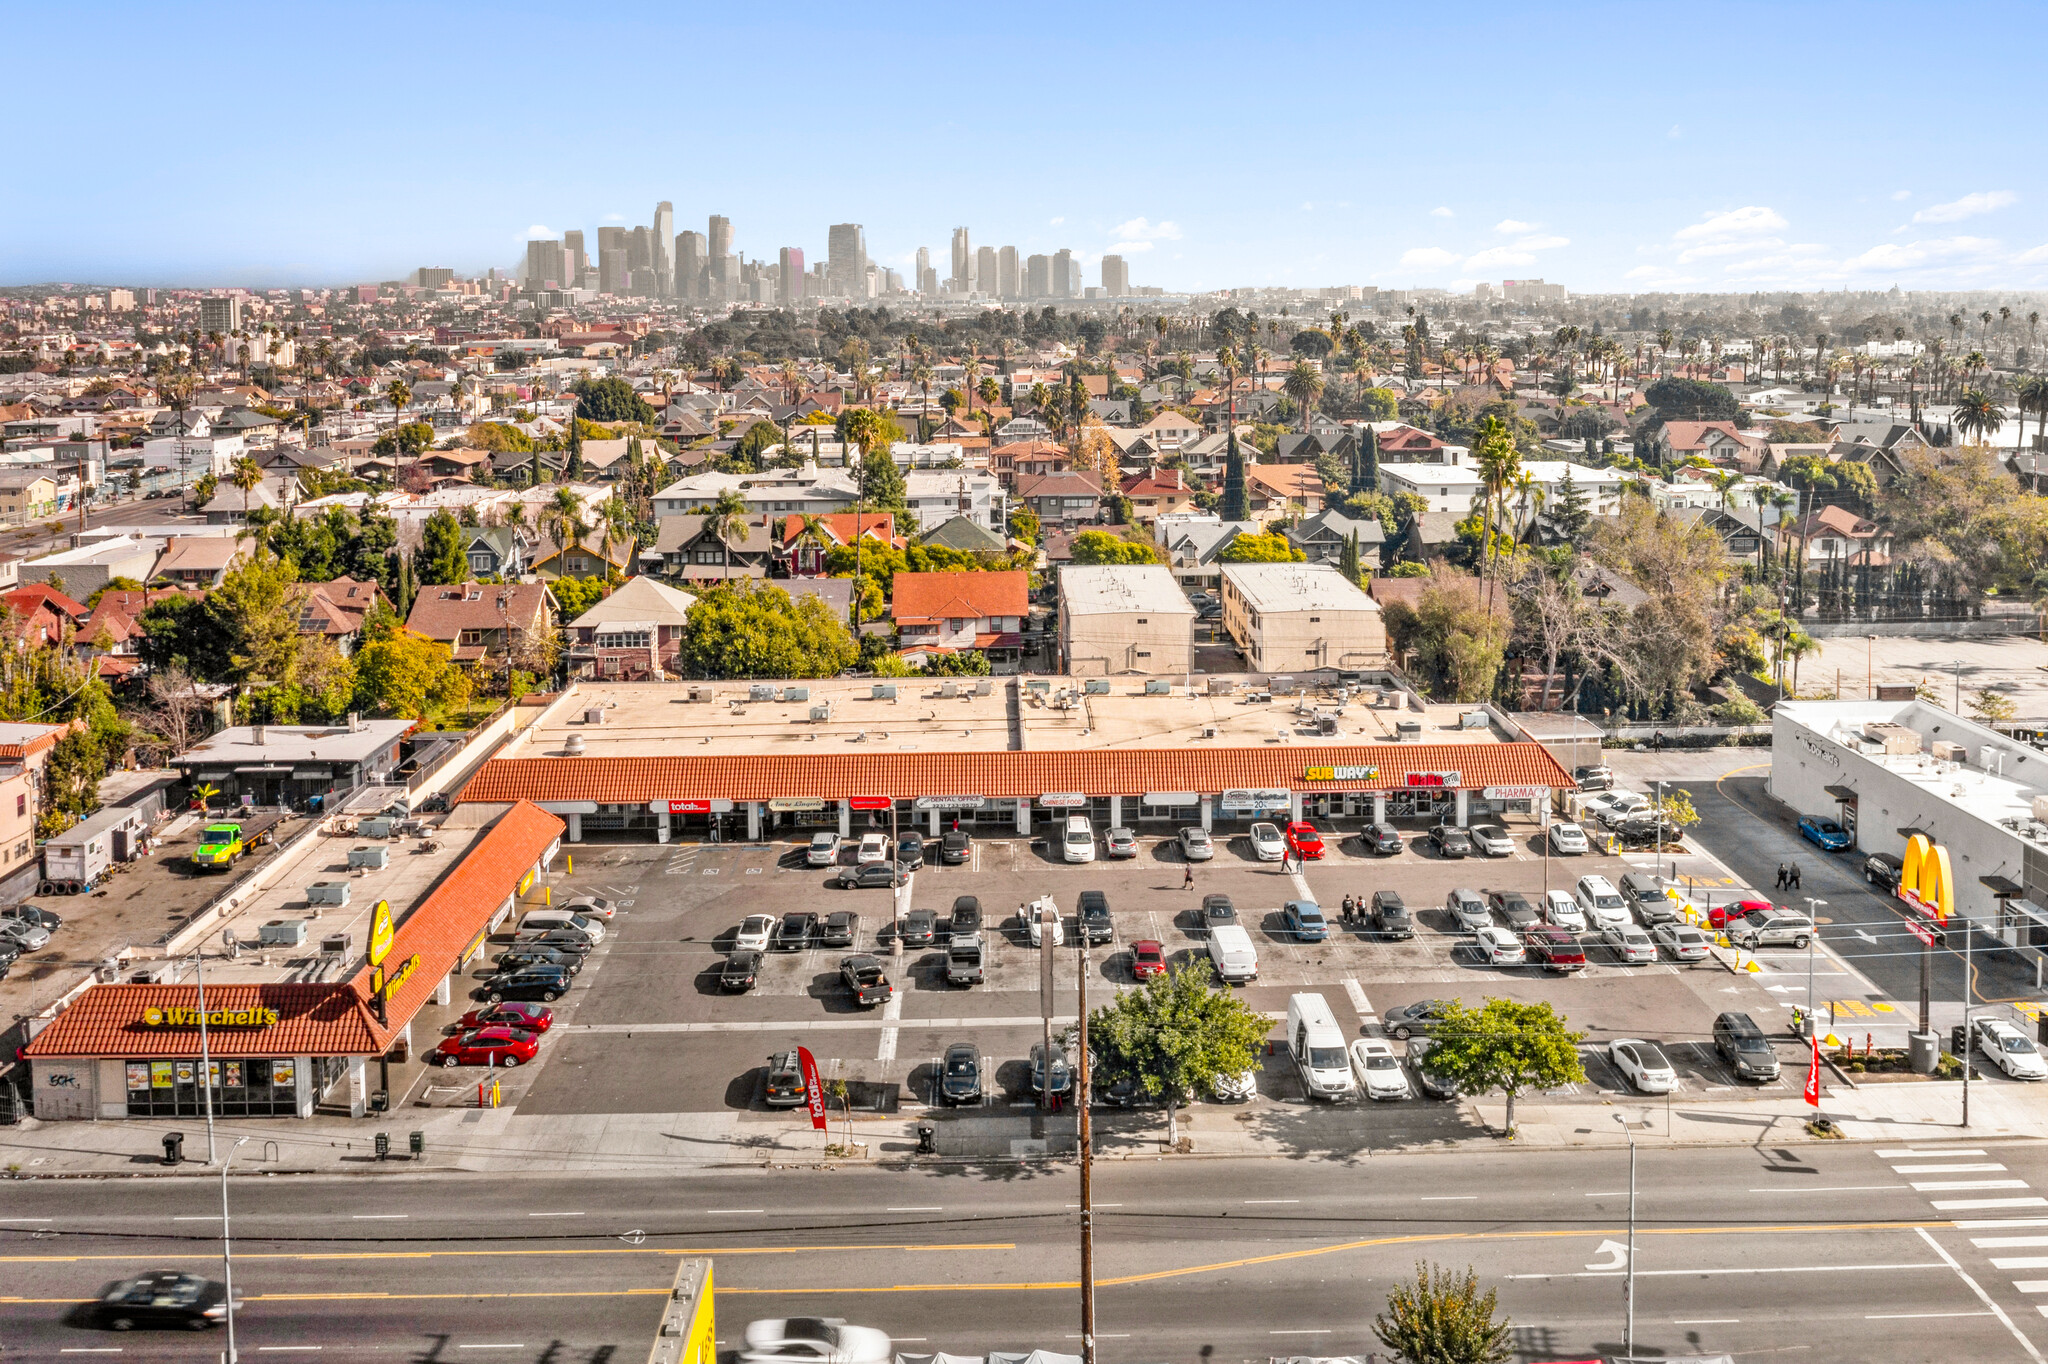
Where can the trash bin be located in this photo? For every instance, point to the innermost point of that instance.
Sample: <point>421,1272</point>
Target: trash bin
<point>174,1147</point>
<point>927,1139</point>
<point>418,1142</point>
<point>383,1146</point>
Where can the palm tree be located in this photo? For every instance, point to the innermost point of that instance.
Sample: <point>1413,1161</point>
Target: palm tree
<point>727,523</point>
<point>248,478</point>
<point>615,518</point>
<point>1498,462</point>
<point>1978,412</point>
<point>400,393</point>
<point>561,518</point>
<point>1304,385</point>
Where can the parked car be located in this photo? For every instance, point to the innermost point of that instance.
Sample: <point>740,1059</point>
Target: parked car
<point>519,958</point>
<point>499,1046</point>
<point>565,940</point>
<point>737,975</point>
<point>1378,1069</point>
<point>1148,959</point>
<point>1305,920</point>
<point>756,931</point>
<point>1035,925</point>
<point>1062,1072</point>
<point>841,929</point>
<point>1682,942</point>
<point>1883,871</point>
<point>1594,777</point>
<point>966,917</point>
<point>865,980</point>
<point>1196,845</point>
<point>1616,806</point>
<point>1651,897</point>
<point>1449,840</point>
<point>1267,844</point>
<point>798,930</point>
<point>1643,1064</point>
<point>1772,928</point>
<point>960,1074</point>
<point>1390,916</point>
<point>1217,911</point>
<point>1092,918</point>
<point>1119,843</point>
<point>1468,909</point>
<point>1381,840</point>
<point>1824,834</point>
<point>1728,915</point>
<point>1428,1078</point>
<point>868,876</point>
<point>544,983</point>
<point>1236,1087</point>
<point>533,1018</point>
<point>1499,947</point>
<point>1560,910</point>
<point>1555,949</point>
<point>955,847</point>
<point>1630,945</point>
<point>537,919</point>
<point>920,928</point>
<point>1514,910</point>
<point>814,1340</point>
<point>873,847</point>
<point>1423,1017</point>
<point>2011,1050</point>
<point>26,937</point>
<point>1602,903</point>
<point>592,907</point>
<point>1304,842</point>
<point>1077,842</point>
<point>1493,840</point>
<point>162,1298</point>
<point>910,852</point>
<point>785,1080</point>
<point>1742,1044</point>
<point>1567,839</point>
<point>34,914</point>
<point>823,851</point>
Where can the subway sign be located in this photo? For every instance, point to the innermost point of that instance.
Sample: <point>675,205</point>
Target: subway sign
<point>1340,774</point>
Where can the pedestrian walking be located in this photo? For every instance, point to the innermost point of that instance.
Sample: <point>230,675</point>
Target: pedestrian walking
<point>1795,876</point>
<point>1187,879</point>
<point>1783,876</point>
<point>1347,909</point>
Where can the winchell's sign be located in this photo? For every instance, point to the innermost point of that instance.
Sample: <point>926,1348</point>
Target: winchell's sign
<point>259,1017</point>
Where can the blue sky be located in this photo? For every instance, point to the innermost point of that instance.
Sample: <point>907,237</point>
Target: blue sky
<point>1609,148</point>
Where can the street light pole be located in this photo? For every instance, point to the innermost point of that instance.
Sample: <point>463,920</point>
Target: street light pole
<point>1812,938</point>
<point>1081,1097</point>
<point>205,1054</point>
<point>227,1257</point>
<point>1628,1292</point>
<point>1959,686</point>
<point>1969,992</point>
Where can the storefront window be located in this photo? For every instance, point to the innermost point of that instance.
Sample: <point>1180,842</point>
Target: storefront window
<point>253,1088</point>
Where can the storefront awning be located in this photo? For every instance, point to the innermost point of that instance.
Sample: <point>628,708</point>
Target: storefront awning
<point>1842,792</point>
<point>2002,887</point>
<point>262,770</point>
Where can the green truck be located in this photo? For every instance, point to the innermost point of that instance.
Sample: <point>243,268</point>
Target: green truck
<point>222,844</point>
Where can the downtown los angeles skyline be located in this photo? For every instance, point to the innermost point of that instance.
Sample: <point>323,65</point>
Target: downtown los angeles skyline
<point>1350,148</point>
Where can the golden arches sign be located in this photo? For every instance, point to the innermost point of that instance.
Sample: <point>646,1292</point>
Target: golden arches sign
<point>1928,878</point>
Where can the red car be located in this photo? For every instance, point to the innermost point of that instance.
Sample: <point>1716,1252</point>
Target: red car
<point>1558,949</point>
<point>1148,959</point>
<point>487,1046</point>
<point>1304,841</point>
<point>1719,915</point>
<point>535,1018</point>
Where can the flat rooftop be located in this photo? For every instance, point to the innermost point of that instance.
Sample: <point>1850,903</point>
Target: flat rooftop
<point>643,719</point>
<point>1998,790</point>
<point>1297,587</point>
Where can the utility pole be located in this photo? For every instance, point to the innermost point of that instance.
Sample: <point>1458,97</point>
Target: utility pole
<point>1081,1097</point>
<point>1813,937</point>
<point>205,1054</point>
<point>1628,1291</point>
<point>1969,993</point>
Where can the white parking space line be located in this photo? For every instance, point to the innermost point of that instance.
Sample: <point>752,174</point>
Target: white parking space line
<point>891,1011</point>
<point>1359,1002</point>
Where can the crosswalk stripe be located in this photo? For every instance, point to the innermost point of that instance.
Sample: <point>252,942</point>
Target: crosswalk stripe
<point>2030,1285</point>
<point>1964,1204</point>
<point>1926,1185</point>
<point>1903,1152</point>
<point>1998,1223</point>
<point>1945,1169</point>
<point>2019,1262</point>
<point>2008,1242</point>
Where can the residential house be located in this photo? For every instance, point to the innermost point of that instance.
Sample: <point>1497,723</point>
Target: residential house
<point>1172,430</point>
<point>633,634</point>
<point>1290,617</point>
<point>805,545</point>
<point>1161,492</point>
<point>1124,618</point>
<point>835,593</point>
<point>1193,543</point>
<point>1027,459</point>
<point>776,492</point>
<point>951,611</point>
<point>200,561</point>
<point>499,551</point>
<point>686,549</point>
<point>1716,442</point>
<point>1740,539</point>
<point>966,534</point>
<point>26,495</point>
<point>1062,497</point>
<point>593,555</point>
<point>1401,443</point>
<point>335,610</point>
<point>1836,535</point>
<point>1022,429</point>
<point>485,623</point>
<point>1323,537</point>
<point>933,497</point>
<point>462,464</point>
<point>1283,488</point>
<point>231,505</point>
<point>88,567</point>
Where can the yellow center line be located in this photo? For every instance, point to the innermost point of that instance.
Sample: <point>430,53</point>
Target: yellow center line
<point>454,1254</point>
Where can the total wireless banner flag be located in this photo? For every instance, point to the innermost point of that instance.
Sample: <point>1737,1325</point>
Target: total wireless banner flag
<point>814,1088</point>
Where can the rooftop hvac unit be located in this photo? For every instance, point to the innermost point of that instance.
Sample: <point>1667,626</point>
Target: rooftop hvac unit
<point>1222,686</point>
<point>1947,752</point>
<point>1472,719</point>
<point>379,827</point>
<point>335,944</point>
<point>2041,807</point>
<point>949,689</point>
<point>984,687</point>
<point>1208,731</point>
<point>327,893</point>
<point>796,693</point>
<point>1157,686</point>
<point>376,855</point>
<point>1099,686</point>
<point>760,691</point>
<point>883,691</point>
<point>699,694</point>
<point>574,746</point>
<point>821,712</point>
<point>1408,731</point>
<point>1037,684</point>
<point>283,932</point>
<point>593,715</point>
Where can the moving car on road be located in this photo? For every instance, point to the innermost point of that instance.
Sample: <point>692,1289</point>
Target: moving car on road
<point>1824,834</point>
<point>1267,844</point>
<point>814,1340</point>
<point>162,1298</point>
<point>1643,1064</point>
<point>486,1046</point>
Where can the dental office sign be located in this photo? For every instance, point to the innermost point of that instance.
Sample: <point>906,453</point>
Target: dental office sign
<point>1254,801</point>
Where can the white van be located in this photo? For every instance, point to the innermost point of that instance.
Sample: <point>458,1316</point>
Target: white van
<point>1230,949</point>
<point>538,919</point>
<point>1079,839</point>
<point>1317,1044</point>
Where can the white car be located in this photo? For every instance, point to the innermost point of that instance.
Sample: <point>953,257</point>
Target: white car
<point>1468,909</point>
<point>1560,910</point>
<point>1035,922</point>
<point>1238,1088</point>
<point>592,907</point>
<point>1498,947</point>
<point>756,931</point>
<point>1196,845</point>
<point>824,850</point>
<point>1378,1069</point>
<point>1629,943</point>
<point>815,1340</point>
<point>873,848</point>
<point>1568,839</point>
<point>1267,845</point>
<point>2012,1050</point>
<point>1602,903</point>
<point>1617,806</point>
<point>1682,941</point>
<point>1492,840</point>
<point>1644,1064</point>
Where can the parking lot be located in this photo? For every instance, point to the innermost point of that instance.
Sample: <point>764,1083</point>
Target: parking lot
<point>648,1028</point>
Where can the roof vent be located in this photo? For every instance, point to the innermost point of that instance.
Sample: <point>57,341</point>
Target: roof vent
<point>573,747</point>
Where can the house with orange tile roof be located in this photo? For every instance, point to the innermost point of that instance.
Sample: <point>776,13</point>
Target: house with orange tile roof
<point>805,546</point>
<point>961,610</point>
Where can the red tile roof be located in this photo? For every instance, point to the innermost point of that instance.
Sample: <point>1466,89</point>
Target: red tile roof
<point>840,527</point>
<point>962,596</point>
<point>833,776</point>
<point>28,596</point>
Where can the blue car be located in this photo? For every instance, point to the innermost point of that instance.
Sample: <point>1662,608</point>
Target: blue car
<point>1824,833</point>
<point>1304,919</point>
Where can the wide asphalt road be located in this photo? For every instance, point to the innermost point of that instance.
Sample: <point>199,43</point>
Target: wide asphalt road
<point>1835,1253</point>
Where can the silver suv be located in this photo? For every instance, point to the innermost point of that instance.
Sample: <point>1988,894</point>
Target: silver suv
<point>1772,928</point>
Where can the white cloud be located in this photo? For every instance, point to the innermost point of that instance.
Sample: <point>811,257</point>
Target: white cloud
<point>1496,256</point>
<point>1308,205</point>
<point>1908,255</point>
<point>1542,243</point>
<point>1514,225</point>
<point>1139,230</point>
<point>1056,222</point>
<point>1428,258</point>
<point>1675,131</point>
<point>1133,248</point>
<point>615,217</point>
<point>1440,211</point>
<point>539,233</point>
<point>1901,195</point>
<point>1969,206</point>
<point>1657,275</point>
<point>2037,256</point>
<point>1736,222</point>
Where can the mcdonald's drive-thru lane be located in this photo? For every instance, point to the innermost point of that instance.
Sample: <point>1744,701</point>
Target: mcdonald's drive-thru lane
<point>1925,1251</point>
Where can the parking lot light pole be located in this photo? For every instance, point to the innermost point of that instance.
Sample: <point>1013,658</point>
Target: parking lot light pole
<point>1969,992</point>
<point>1812,938</point>
<point>1628,1292</point>
<point>1082,1095</point>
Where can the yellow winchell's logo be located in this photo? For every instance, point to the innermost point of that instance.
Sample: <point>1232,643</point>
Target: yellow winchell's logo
<point>259,1017</point>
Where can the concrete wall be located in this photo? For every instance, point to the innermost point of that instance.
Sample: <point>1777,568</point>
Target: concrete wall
<point>1105,644</point>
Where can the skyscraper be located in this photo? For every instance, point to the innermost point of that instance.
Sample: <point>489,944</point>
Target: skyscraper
<point>664,244</point>
<point>690,253</point>
<point>962,278</point>
<point>640,265</point>
<point>1006,272</point>
<point>546,266</point>
<point>791,279</point>
<point>1038,277</point>
<point>720,240</point>
<point>577,260</point>
<point>1116,277</point>
<point>924,263</point>
<point>1066,274</point>
<point>985,269</point>
<point>224,314</point>
<point>612,269</point>
<point>847,260</point>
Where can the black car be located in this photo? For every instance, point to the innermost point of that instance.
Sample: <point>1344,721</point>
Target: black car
<point>1093,919</point>
<point>1381,840</point>
<point>866,980</point>
<point>162,1298</point>
<point>545,983</point>
<point>33,914</point>
<point>519,958</point>
<point>1450,841</point>
<point>796,931</point>
<point>842,928</point>
<point>1390,916</point>
<point>1514,910</point>
<point>966,916</point>
<point>960,1074</point>
<point>910,852</point>
<point>920,927</point>
<point>737,976</point>
<point>785,1084</point>
<point>1062,1072</point>
<point>572,941</point>
<point>956,846</point>
<point>873,876</point>
<point>1217,911</point>
<point>1883,871</point>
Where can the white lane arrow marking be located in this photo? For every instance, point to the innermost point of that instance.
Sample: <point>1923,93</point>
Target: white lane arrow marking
<point>1616,1253</point>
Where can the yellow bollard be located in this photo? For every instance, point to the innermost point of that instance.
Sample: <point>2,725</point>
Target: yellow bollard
<point>547,896</point>
<point>569,863</point>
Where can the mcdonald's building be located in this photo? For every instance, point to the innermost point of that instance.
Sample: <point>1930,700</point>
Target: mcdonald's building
<point>1960,810</point>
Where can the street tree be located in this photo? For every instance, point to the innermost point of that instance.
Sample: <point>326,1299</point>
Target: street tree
<point>1176,1033</point>
<point>1272,547</point>
<point>757,630</point>
<point>1507,1046</point>
<point>439,558</point>
<point>1443,1318</point>
<point>1101,547</point>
